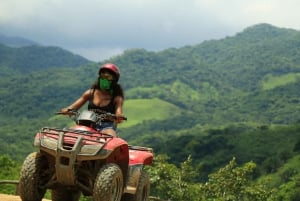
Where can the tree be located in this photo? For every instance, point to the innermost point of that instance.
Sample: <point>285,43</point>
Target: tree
<point>171,183</point>
<point>234,183</point>
<point>228,183</point>
<point>9,170</point>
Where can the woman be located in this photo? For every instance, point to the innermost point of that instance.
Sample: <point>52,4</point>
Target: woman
<point>104,95</point>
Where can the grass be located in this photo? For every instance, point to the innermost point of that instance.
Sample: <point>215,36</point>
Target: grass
<point>271,82</point>
<point>139,110</point>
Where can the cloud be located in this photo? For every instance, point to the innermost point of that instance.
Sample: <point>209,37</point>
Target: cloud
<point>151,24</point>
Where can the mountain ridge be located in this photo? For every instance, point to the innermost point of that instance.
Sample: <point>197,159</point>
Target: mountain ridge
<point>35,57</point>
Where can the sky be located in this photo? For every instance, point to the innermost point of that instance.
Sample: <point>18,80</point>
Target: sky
<point>101,29</point>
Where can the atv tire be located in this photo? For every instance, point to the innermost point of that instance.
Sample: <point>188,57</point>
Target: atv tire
<point>142,190</point>
<point>30,185</point>
<point>108,184</point>
<point>61,194</point>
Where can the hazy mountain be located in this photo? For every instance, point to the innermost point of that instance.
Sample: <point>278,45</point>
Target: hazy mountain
<point>30,58</point>
<point>16,41</point>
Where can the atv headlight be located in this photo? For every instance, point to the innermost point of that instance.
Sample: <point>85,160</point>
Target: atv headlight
<point>49,142</point>
<point>90,149</point>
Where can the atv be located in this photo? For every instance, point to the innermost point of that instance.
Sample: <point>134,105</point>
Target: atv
<point>83,160</point>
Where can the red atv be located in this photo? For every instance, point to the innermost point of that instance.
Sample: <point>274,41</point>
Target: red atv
<point>83,160</point>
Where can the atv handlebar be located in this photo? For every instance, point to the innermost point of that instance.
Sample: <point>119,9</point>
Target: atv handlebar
<point>70,112</point>
<point>108,115</point>
<point>100,114</point>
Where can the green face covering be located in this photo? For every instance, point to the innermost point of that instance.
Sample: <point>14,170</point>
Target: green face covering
<point>105,84</point>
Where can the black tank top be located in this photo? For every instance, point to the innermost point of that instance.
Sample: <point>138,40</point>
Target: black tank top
<point>110,107</point>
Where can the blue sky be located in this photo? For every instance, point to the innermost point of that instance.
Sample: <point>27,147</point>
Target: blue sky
<point>99,29</point>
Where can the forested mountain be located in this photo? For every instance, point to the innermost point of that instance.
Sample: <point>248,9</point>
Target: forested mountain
<point>238,96</point>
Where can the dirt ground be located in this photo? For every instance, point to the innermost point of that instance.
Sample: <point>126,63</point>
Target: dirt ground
<point>4,197</point>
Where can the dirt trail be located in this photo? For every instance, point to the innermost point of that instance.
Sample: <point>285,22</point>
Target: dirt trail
<point>4,197</point>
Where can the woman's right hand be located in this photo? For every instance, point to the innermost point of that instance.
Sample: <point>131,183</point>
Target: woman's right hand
<point>64,110</point>
<point>67,111</point>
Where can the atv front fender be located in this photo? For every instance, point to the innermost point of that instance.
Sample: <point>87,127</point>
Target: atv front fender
<point>140,156</point>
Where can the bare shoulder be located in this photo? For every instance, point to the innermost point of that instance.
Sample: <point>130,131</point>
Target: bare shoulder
<point>87,94</point>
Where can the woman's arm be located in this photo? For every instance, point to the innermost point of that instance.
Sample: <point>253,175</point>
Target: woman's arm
<point>79,102</point>
<point>119,108</point>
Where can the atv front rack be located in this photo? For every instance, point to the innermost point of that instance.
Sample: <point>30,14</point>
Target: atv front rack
<point>77,142</point>
<point>76,131</point>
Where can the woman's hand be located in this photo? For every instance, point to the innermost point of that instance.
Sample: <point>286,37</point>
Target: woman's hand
<point>119,119</point>
<point>65,110</point>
